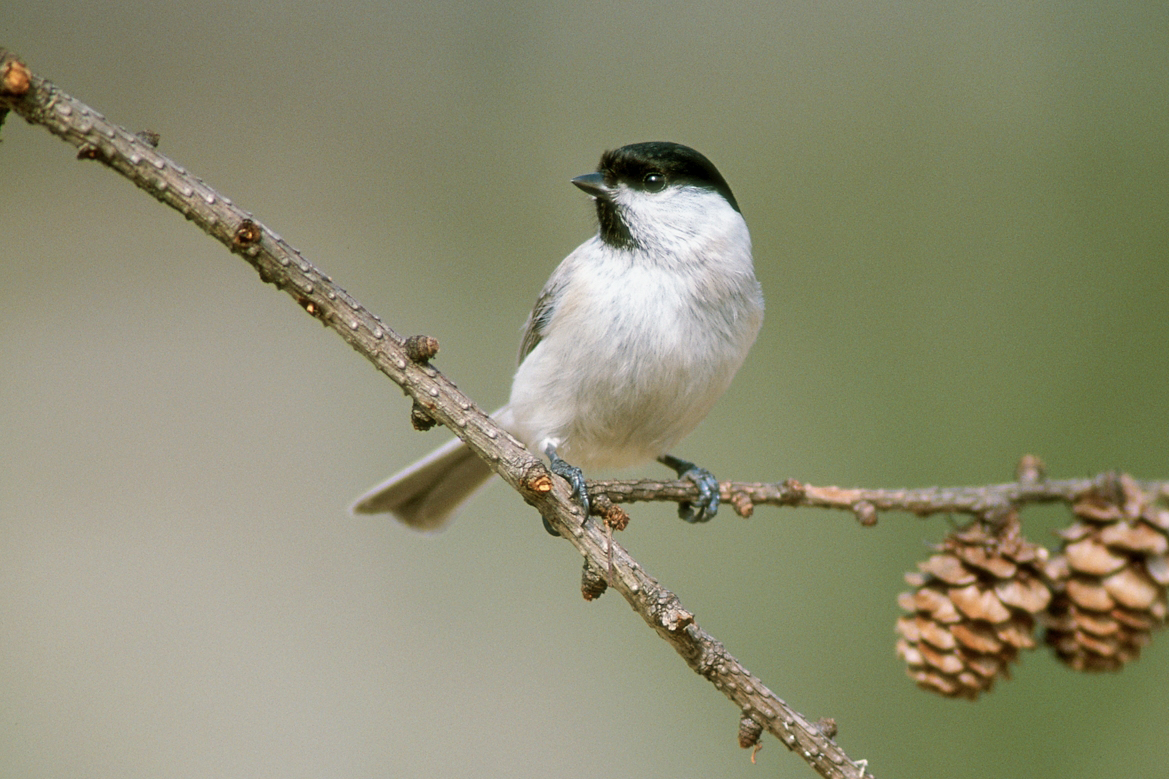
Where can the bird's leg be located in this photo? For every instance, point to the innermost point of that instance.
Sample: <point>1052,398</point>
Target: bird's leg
<point>704,509</point>
<point>571,474</point>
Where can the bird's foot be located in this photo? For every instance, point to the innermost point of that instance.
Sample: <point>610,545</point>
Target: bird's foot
<point>575,478</point>
<point>703,509</point>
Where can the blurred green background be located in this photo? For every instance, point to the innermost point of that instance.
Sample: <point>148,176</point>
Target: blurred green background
<point>960,220</point>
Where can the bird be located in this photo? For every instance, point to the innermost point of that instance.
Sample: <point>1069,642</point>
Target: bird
<point>632,340</point>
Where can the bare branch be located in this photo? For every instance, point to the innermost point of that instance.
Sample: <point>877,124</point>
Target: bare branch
<point>985,500</point>
<point>279,264</point>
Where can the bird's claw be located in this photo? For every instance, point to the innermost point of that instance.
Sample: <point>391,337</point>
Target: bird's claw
<point>575,478</point>
<point>703,509</point>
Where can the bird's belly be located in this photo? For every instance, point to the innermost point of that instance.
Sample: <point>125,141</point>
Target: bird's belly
<point>627,395</point>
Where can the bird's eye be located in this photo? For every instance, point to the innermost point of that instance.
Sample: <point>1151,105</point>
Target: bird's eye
<point>653,182</point>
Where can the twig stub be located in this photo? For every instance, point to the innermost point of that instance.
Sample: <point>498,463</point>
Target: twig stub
<point>749,732</point>
<point>247,234</point>
<point>14,78</point>
<point>593,581</point>
<point>866,513</point>
<point>420,348</point>
<point>420,418</point>
<point>150,137</point>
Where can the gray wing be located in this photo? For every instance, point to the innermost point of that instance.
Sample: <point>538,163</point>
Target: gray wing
<point>537,323</point>
<point>545,308</point>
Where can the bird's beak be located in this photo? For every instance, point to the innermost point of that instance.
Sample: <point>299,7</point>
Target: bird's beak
<point>593,184</point>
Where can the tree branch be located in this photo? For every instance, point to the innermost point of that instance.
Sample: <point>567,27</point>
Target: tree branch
<point>988,500</point>
<point>135,157</point>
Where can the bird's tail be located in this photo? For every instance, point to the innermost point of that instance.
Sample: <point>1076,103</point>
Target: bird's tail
<point>427,494</point>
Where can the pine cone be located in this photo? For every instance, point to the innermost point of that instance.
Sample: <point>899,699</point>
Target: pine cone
<point>972,610</point>
<point>1111,577</point>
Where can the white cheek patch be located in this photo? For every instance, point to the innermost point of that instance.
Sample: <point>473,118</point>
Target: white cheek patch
<point>679,220</point>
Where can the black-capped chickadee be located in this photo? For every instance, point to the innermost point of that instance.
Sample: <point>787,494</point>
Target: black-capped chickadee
<point>633,339</point>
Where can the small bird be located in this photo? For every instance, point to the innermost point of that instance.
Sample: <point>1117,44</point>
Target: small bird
<point>632,340</point>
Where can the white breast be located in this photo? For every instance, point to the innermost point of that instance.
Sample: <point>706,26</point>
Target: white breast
<point>639,346</point>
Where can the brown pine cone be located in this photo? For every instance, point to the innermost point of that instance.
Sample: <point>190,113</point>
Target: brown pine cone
<point>972,610</point>
<point>1111,577</point>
